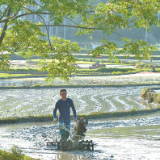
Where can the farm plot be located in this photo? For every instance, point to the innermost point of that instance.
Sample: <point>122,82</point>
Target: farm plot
<point>133,79</point>
<point>136,138</point>
<point>25,102</point>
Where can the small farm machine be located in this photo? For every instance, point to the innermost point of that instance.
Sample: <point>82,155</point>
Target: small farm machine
<point>76,140</point>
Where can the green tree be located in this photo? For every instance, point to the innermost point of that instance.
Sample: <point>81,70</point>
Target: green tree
<point>26,38</point>
<point>123,14</point>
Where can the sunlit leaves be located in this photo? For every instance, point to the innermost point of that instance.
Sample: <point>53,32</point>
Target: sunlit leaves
<point>62,59</point>
<point>114,14</point>
<point>139,48</point>
<point>4,63</point>
<point>65,8</point>
<point>108,48</point>
<point>25,38</point>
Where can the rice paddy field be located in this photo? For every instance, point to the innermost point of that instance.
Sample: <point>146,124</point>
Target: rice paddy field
<point>129,138</point>
<point>138,78</point>
<point>119,138</point>
<point>25,102</point>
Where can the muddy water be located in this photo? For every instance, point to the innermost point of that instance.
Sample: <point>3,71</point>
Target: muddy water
<point>10,136</point>
<point>118,138</point>
<point>24,102</point>
<point>139,142</point>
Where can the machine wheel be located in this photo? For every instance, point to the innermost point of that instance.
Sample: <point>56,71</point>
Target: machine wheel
<point>88,146</point>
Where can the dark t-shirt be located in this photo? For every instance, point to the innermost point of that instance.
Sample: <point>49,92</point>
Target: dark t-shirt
<point>64,109</point>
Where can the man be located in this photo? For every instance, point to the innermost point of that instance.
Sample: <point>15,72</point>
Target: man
<point>64,105</point>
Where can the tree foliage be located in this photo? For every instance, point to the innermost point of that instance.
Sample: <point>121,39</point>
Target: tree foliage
<point>27,39</point>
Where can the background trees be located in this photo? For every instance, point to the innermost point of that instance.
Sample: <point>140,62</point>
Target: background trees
<point>21,36</point>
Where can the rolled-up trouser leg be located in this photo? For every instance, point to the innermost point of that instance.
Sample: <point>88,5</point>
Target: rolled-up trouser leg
<point>64,133</point>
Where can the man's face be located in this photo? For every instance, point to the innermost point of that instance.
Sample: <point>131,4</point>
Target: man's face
<point>63,94</point>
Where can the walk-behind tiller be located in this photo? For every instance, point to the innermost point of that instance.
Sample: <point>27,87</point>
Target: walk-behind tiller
<point>76,140</point>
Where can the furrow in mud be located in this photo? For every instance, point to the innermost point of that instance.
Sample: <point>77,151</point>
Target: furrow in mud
<point>86,100</point>
<point>41,134</point>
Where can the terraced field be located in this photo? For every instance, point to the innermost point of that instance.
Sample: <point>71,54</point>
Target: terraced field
<point>24,102</point>
<point>149,78</point>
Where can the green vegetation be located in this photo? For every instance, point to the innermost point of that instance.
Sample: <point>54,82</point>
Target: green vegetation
<point>144,92</point>
<point>99,71</point>
<point>105,71</point>
<point>26,37</point>
<point>39,118</point>
<point>89,57</point>
<point>150,95</point>
<point>134,109</point>
<point>25,71</point>
<point>93,115</point>
<point>7,75</point>
<point>14,154</point>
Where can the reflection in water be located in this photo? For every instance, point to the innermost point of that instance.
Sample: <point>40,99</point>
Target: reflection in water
<point>150,132</point>
<point>66,156</point>
<point>21,82</point>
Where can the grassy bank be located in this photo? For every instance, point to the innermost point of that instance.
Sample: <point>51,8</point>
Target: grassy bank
<point>8,75</point>
<point>38,86</point>
<point>93,115</point>
<point>24,71</point>
<point>14,154</point>
<point>21,73</point>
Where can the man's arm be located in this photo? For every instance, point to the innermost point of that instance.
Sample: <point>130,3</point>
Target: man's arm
<point>73,109</point>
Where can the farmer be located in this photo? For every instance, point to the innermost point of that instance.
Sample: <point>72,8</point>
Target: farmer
<point>64,105</point>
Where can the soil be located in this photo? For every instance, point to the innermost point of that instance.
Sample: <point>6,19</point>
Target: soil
<point>136,138</point>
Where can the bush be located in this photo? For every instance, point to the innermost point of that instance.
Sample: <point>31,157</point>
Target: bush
<point>36,85</point>
<point>156,98</point>
<point>118,72</point>
<point>104,69</point>
<point>133,109</point>
<point>85,50</point>
<point>144,93</point>
<point>16,154</point>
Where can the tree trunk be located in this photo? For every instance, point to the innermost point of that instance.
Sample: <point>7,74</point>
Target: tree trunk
<point>5,27</point>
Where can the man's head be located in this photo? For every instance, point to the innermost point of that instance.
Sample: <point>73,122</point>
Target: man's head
<point>63,93</point>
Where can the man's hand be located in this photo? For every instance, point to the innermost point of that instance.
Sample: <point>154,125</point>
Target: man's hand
<point>55,120</point>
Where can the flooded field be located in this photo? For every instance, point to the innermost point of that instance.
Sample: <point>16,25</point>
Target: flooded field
<point>149,78</point>
<point>134,139</point>
<point>127,138</point>
<point>24,102</point>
